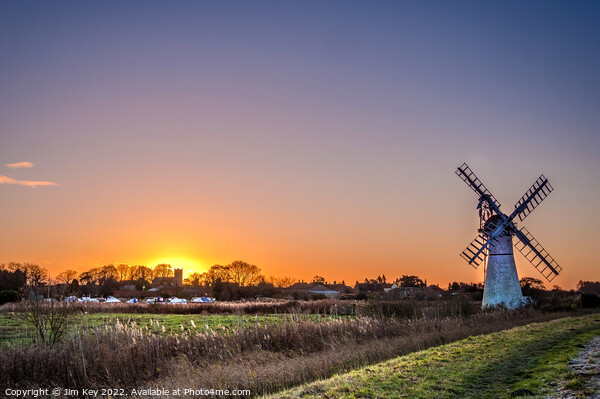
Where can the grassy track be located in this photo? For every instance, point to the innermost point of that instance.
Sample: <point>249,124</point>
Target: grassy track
<point>532,357</point>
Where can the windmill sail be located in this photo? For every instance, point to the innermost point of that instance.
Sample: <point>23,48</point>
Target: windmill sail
<point>467,175</point>
<point>533,197</point>
<point>536,254</point>
<point>495,242</point>
<point>476,251</point>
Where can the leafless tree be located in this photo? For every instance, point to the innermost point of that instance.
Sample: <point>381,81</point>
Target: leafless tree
<point>108,272</point>
<point>36,275</point>
<point>318,280</point>
<point>145,273</point>
<point>66,277</point>
<point>90,276</point>
<point>122,272</point>
<point>195,279</point>
<point>244,273</point>
<point>134,272</point>
<point>216,272</point>
<point>48,319</point>
<point>163,270</point>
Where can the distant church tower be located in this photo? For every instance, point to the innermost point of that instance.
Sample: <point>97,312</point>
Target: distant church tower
<point>178,278</point>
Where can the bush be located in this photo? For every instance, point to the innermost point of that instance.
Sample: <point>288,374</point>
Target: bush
<point>554,301</point>
<point>48,319</point>
<point>9,296</point>
<point>416,309</point>
<point>590,300</point>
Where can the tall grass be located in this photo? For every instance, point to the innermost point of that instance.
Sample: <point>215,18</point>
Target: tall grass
<point>409,308</point>
<point>261,308</point>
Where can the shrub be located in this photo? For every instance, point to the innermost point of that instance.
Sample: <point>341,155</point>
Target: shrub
<point>415,309</point>
<point>9,296</point>
<point>590,300</point>
<point>554,301</point>
<point>48,319</point>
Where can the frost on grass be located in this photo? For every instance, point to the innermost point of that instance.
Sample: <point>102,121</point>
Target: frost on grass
<point>585,369</point>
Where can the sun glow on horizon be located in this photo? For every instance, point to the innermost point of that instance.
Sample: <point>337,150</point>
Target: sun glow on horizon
<point>188,265</point>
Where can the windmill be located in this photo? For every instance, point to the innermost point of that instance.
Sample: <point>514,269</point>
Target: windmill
<point>495,242</point>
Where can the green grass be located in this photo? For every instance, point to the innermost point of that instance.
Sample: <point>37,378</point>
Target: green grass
<point>532,357</point>
<point>14,329</point>
<point>11,329</point>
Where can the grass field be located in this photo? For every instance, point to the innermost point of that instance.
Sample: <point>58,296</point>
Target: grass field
<point>533,357</point>
<point>13,327</point>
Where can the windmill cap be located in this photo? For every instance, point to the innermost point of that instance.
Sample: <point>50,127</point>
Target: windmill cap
<point>492,224</point>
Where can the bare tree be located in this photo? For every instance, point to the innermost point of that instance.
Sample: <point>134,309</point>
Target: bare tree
<point>134,272</point>
<point>90,276</point>
<point>286,281</point>
<point>13,266</point>
<point>163,270</point>
<point>140,276</point>
<point>122,272</point>
<point>108,272</point>
<point>217,272</point>
<point>194,279</point>
<point>36,275</point>
<point>49,320</point>
<point>244,273</point>
<point>318,280</point>
<point>66,277</point>
<point>145,273</point>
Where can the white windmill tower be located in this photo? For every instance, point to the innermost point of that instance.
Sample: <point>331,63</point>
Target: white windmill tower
<point>495,241</point>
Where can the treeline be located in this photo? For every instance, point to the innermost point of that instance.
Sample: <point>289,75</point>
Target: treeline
<point>234,280</point>
<point>24,278</point>
<point>237,272</point>
<point>17,279</point>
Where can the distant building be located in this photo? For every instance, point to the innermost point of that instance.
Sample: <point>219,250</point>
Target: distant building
<point>178,276</point>
<point>388,289</point>
<point>310,290</point>
<point>339,287</point>
<point>369,288</point>
<point>169,282</point>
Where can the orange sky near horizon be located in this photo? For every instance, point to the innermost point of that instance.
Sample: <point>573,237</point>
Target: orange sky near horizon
<point>345,239</point>
<point>305,138</point>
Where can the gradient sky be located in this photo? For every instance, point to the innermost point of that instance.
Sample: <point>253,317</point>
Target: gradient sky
<point>304,137</point>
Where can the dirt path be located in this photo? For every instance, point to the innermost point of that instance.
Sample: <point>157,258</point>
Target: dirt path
<point>586,367</point>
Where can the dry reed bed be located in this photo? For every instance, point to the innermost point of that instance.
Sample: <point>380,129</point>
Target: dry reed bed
<point>408,308</point>
<point>260,308</point>
<point>127,356</point>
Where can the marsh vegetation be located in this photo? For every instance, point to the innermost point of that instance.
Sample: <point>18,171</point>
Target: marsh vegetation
<point>235,349</point>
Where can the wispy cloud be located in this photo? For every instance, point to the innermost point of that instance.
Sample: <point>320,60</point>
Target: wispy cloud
<point>20,165</point>
<point>28,183</point>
